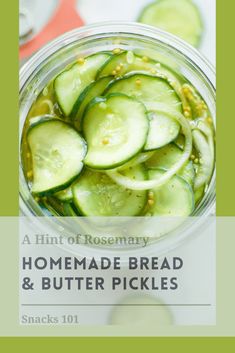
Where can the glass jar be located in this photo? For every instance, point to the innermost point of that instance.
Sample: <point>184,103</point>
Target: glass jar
<point>145,40</point>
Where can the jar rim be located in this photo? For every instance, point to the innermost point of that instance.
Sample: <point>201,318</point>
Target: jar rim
<point>117,27</point>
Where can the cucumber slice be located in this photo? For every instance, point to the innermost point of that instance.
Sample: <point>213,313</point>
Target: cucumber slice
<point>166,157</point>
<point>57,155</point>
<point>57,208</point>
<point>115,129</point>
<point>198,194</point>
<point>95,194</point>
<point>70,83</point>
<point>195,102</point>
<point>175,198</point>
<point>138,159</point>
<point>152,91</point>
<point>64,195</point>
<point>154,183</point>
<point>95,89</point>
<point>121,64</point>
<point>181,18</point>
<point>70,210</point>
<point>162,130</point>
<point>127,62</point>
<point>206,161</point>
<point>51,207</point>
<point>141,310</point>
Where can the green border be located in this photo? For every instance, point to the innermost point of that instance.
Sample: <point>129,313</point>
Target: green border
<point>124,344</point>
<point>9,178</point>
<point>225,117</point>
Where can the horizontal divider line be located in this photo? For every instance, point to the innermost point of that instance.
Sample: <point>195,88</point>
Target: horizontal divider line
<point>118,304</point>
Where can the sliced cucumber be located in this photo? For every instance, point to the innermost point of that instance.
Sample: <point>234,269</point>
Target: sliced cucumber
<point>195,102</point>
<point>153,91</point>
<point>206,161</point>
<point>52,206</point>
<point>121,64</point>
<point>175,198</point>
<point>95,194</point>
<point>58,208</point>
<point>143,310</point>
<point>57,155</point>
<point>162,130</point>
<point>95,89</point>
<point>166,157</point>
<point>115,129</point>
<point>181,17</point>
<point>64,195</point>
<point>70,210</point>
<point>138,159</point>
<point>129,62</point>
<point>70,83</point>
<point>198,194</point>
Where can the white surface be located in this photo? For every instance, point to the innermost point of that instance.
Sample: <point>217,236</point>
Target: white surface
<point>129,10</point>
<point>40,12</point>
<point>126,10</point>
